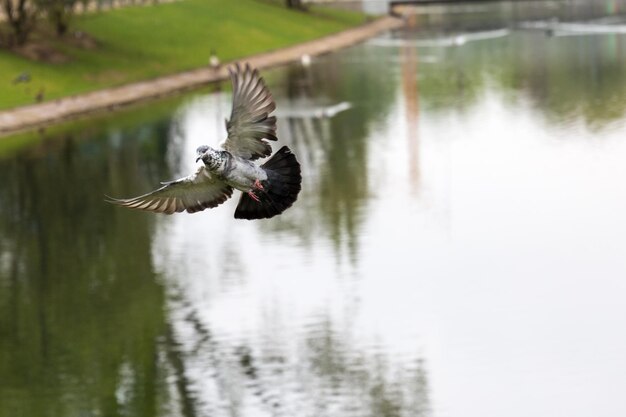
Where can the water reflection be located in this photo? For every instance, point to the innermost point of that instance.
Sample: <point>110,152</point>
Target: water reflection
<point>411,109</point>
<point>318,371</point>
<point>567,78</point>
<point>334,150</point>
<point>75,307</point>
<point>457,247</point>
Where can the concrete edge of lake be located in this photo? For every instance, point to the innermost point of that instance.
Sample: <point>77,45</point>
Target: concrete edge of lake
<point>56,111</point>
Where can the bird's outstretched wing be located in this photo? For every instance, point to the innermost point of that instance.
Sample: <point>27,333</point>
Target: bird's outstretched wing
<point>197,192</point>
<point>250,124</point>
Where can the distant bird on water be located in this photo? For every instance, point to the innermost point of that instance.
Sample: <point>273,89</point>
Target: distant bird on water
<point>267,190</point>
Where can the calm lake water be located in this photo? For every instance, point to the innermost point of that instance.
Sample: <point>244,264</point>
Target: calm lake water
<point>458,248</point>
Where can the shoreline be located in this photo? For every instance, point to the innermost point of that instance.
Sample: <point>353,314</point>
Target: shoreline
<point>44,114</point>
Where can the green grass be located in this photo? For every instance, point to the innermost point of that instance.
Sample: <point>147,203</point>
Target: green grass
<point>137,43</point>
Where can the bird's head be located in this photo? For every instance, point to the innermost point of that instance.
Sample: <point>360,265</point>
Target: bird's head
<point>210,157</point>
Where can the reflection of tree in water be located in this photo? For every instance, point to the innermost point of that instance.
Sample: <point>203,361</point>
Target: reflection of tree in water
<point>333,151</point>
<point>569,78</point>
<point>80,311</point>
<point>320,372</point>
<point>577,77</point>
<point>494,15</point>
<point>365,383</point>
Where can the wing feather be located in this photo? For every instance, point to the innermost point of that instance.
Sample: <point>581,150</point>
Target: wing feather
<point>194,193</point>
<point>250,125</point>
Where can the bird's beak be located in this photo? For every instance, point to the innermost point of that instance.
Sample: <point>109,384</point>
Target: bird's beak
<point>198,158</point>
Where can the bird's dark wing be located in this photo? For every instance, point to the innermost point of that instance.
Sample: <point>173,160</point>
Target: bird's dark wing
<point>250,124</point>
<point>196,192</point>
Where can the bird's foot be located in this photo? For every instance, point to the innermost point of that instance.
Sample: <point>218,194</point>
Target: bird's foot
<point>258,185</point>
<point>254,196</point>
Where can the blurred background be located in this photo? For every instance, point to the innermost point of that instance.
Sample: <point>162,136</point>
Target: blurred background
<point>458,247</point>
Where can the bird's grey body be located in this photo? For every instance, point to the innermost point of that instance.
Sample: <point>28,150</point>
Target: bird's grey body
<point>239,173</point>
<point>268,189</point>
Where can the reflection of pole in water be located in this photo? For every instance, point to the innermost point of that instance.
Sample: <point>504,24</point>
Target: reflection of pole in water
<point>219,124</point>
<point>410,89</point>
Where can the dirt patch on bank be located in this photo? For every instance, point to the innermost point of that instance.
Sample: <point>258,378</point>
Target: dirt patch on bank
<point>46,46</point>
<point>41,52</point>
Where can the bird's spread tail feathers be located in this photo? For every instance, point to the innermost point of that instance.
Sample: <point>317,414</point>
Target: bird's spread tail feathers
<point>280,190</point>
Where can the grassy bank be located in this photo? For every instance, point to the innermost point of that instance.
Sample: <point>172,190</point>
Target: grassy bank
<point>137,43</point>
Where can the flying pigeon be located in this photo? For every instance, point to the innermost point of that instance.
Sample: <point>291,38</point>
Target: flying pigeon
<point>267,189</point>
